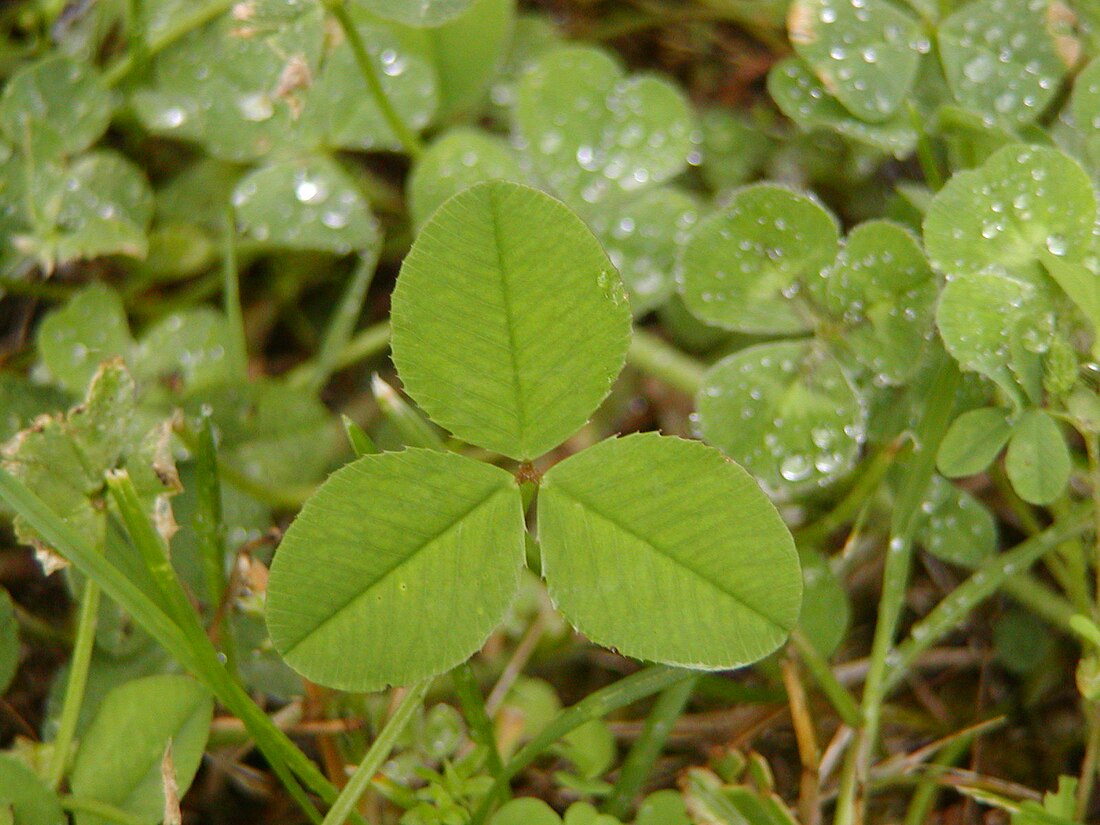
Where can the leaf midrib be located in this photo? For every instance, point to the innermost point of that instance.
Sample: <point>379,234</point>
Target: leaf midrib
<point>389,571</point>
<point>676,561</point>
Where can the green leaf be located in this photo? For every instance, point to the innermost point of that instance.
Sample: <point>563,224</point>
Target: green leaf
<point>182,355</point>
<point>663,808</point>
<point>90,329</point>
<point>21,401</point>
<point>642,238</point>
<point>1085,111</point>
<point>466,52</point>
<point>363,587</point>
<point>640,553</point>
<point>31,801</point>
<point>973,442</point>
<point>526,811</point>
<point>478,333</point>
<point>9,641</point>
<point>1038,461</point>
<point>403,64</point>
<point>733,148</point>
<point>219,86</point>
<point>1024,202</point>
<point>954,526</point>
<point>54,107</point>
<point>305,204</point>
<point>593,133</point>
<point>883,288</point>
<point>1001,57</point>
<point>826,611</point>
<point>740,267</point>
<point>120,754</point>
<point>802,98</point>
<point>419,13</point>
<point>786,411</point>
<point>993,325</point>
<point>459,159</point>
<point>100,204</point>
<point>866,55</point>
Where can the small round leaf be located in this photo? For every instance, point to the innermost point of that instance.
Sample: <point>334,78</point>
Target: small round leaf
<point>31,801</point>
<point>306,204</point>
<point>1022,203</point>
<point>866,54</point>
<point>642,237</point>
<point>526,811</point>
<point>825,606</point>
<point>456,161</point>
<point>664,550</point>
<point>784,410</point>
<point>1001,57</point>
<point>372,587</point>
<point>973,441</point>
<point>591,132</point>
<point>509,322</point>
<point>954,526</point>
<point>60,106</point>
<point>1038,461</point>
<point>740,266</point>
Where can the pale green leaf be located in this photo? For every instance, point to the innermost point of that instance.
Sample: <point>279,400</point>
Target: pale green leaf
<point>642,237</point>
<point>1085,111</point>
<point>9,641</point>
<point>826,610</point>
<point>866,54</point>
<point>592,132</point>
<point>994,325</point>
<point>365,587</point>
<point>1038,461</point>
<point>305,204</point>
<point>419,13</point>
<point>526,811</point>
<point>954,526</point>
<point>786,411</point>
<point>663,550</point>
<point>31,801</point>
<point>22,400</point>
<point>802,98</point>
<point>120,754</point>
<point>466,52</point>
<point>884,290</point>
<point>1001,57</point>
<point>54,107</point>
<point>236,86</point>
<point>740,266</point>
<point>973,441</point>
<point>459,159</point>
<point>533,35</point>
<point>182,355</point>
<point>1080,283</point>
<point>663,808</point>
<point>478,337</point>
<point>90,329</point>
<point>1025,201</point>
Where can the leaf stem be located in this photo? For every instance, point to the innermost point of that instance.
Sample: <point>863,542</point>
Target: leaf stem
<point>407,138</point>
<point>237,345</point>
<point>342,325</point>
<point>851,801</point>
<point>368,343</point>
<point>654,356</point>
<point>376,756</point>
<point>839,697</point>
<point>595,706</point>
<point>643,755</point>
<point>79,663</point>
<point>473,708</point>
